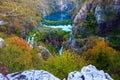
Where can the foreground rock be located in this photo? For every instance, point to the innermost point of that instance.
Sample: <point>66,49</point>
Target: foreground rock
<point>2,43</point>
<point>31,75</point>
<point>89,73</point>
<point>2,77</point>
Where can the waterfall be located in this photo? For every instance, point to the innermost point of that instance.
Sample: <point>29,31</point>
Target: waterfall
<point>30,40</point>
<point>60,51</point>
<point>71,39</point>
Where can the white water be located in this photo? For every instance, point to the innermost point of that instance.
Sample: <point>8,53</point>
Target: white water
<point>30,40</point>
<point>63,27</point>
<point>60,51</point>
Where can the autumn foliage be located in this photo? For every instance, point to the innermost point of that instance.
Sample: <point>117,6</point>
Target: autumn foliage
<point>103,57</point>
<point>16,55</point>
<point>19,42</point>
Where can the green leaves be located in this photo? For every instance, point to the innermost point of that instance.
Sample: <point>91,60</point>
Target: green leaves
<point>63,22</point>
<point>62,65</point>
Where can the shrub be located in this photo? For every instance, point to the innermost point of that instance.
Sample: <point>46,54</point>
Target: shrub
<point>62,22</point>
<point>16,55</point>
<point>19,42</point>
<point>60,66</point>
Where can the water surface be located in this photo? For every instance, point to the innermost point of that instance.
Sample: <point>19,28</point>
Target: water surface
<point>59,16</point>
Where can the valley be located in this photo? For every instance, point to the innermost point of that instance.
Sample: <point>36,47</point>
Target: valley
<point>59,39</point>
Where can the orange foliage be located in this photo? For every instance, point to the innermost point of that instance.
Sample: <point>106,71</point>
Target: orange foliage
<point>101,55</point>
<point>21,43</point>
<point>101,45</point>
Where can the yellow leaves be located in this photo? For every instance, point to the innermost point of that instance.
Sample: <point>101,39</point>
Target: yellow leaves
<point>26,58</point>
<point>6,7</point>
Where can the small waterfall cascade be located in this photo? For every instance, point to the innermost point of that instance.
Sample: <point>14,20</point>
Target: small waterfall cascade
<point>71,40</point>
<point>60,51</point>
<point>30,40</point>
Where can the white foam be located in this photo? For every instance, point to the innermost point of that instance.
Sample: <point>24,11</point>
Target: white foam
<point>63,27</point>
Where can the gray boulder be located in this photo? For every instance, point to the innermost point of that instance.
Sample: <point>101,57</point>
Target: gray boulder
<point>2,43</point>
<point>44,53</point>
<point>1,22</point>
<point>89,73</point>
<point>98,14</point>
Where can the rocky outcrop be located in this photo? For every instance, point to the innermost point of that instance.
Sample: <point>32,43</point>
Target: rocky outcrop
<point>98,14</point>
<point>100,18</point>
<point>29,75</point>
<point>116,6</point>
<point>82,14</point>
<point>107,16</point>
<point>60,5</point>
<point>2,43</point>
<point>81,17</point>
<point>44,53</point>
<point>49,6</point>
<point>89,73</point>
<point>1,22</point>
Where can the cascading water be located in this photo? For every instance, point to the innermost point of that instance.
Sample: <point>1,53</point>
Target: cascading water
<point>30,40</point>
<point>60,51</point>
<point>71,40</point>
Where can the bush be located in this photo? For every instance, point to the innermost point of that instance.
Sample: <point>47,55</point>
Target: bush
<point>62,22</point>
<point>16,55</point>
<point>60,66</point>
